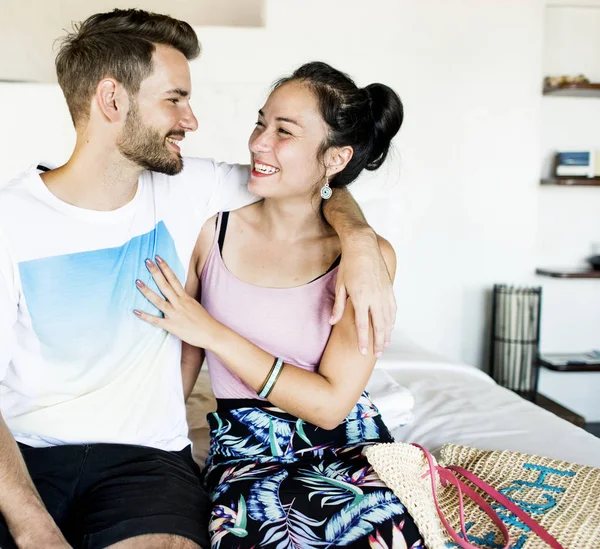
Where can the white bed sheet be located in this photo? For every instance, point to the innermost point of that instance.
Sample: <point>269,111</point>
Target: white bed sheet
<point>460,404</point>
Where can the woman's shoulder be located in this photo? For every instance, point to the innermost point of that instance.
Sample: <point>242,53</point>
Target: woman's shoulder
<point>385,246</point>
<point>207,233</point>
<point>204,243</point>
<point>388,253</point>
<point>206,238</point>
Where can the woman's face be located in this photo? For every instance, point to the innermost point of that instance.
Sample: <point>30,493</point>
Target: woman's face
<point>285,143</point>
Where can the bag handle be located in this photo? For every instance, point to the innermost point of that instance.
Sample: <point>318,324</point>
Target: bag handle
<point>535,526</point>
<point>447,475</point>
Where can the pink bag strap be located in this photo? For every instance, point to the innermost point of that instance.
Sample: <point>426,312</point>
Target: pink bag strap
<point>446,475</point>
<point>511,506</point>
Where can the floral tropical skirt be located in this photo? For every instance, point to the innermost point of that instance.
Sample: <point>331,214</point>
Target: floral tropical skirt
<point>279,482</point>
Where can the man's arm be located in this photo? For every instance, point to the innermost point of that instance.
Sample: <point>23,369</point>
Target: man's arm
<point>26,517</point>
<point>362,275</point>
<point>231,188</point>
<point>28,521</point>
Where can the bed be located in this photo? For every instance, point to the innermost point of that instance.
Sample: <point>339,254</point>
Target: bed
<point>461,404</point>
<point>452,403</point>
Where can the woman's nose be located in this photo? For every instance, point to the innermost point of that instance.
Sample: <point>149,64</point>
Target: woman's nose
<point>259,142</point>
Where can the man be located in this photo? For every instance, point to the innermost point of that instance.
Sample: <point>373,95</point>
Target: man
<point>94,450</point>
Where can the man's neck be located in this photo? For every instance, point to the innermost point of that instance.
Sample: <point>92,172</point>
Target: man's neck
<point>94,179</point>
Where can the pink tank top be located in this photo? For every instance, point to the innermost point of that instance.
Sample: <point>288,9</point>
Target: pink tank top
<point>291,323</point>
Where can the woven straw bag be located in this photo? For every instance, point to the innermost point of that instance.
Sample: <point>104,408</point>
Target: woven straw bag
<point>563,498</point>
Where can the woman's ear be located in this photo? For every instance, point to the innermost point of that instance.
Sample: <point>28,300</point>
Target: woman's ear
<point>337,159</point>
<point>112,100</point>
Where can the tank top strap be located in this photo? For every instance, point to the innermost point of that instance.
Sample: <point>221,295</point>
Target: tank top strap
<point>217,227</point>
<point>221,230</point>
<point>334,265</point>
<point>214,249</point>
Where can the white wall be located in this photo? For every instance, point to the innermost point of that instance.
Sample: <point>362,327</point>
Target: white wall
<point>461,194</point>
<point>460,218</point>
<point>568,224</point>
<point>29,28</point>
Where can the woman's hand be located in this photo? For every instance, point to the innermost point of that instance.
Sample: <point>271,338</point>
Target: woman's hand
<point>183,315</point>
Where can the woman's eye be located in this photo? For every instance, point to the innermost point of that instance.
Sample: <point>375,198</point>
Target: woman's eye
<point>285,132</point>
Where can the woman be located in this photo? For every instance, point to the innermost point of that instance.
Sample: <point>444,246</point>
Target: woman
<point>285,467</point>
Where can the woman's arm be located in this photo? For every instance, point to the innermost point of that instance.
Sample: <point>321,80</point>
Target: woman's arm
<point>323,398</point>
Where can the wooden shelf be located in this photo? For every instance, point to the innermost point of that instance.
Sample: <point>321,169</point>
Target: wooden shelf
<point>570,367</point>
<point>568,273</point>
<point>572,181</point>
<point>574,90</point>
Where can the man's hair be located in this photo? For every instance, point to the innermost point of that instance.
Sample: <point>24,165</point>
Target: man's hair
<point>117,44</point>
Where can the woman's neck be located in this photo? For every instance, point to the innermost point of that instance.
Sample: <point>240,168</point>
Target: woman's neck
<point>292,220</point>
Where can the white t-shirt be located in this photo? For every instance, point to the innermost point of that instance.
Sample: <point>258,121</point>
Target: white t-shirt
<point>76,365</point>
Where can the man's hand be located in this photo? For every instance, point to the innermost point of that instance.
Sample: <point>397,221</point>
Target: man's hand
<point>363,276</point>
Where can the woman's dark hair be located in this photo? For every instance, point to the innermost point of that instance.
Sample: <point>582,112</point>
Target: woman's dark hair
<point>365,119</point>
<point>120,44</point>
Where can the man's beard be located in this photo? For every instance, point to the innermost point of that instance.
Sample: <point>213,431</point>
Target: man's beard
<point>146,147</point>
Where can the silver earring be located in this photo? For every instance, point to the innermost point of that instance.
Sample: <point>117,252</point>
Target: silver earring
<point>326,191</point>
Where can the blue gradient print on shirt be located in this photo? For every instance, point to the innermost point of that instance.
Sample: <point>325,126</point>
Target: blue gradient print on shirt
<point>81,304</point>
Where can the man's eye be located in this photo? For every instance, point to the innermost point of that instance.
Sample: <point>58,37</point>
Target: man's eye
<point>174,101</point>
<point>259,123</point>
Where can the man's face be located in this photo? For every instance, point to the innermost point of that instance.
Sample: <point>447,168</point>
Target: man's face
<point>160,115</point>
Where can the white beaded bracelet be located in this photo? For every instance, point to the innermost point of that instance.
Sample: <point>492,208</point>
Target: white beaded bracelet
<point>271,379</point>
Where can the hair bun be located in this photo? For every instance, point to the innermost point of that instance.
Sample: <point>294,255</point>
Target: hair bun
<point>365,119</point>
<point>388,113</point>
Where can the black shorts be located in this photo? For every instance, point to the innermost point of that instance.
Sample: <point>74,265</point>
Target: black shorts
<point>99,494</point>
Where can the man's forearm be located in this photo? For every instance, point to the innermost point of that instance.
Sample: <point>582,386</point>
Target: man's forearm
<point>20,503</point>
<point>363,274</point>
<point>345,216</point>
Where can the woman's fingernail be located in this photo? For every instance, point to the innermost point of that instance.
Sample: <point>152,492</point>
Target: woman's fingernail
<point>139,283</point>
<point>379,354</point>
<point>149,263</point>
<point>158,259</point>
<point>136,312</point>
<point>363,351</point>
